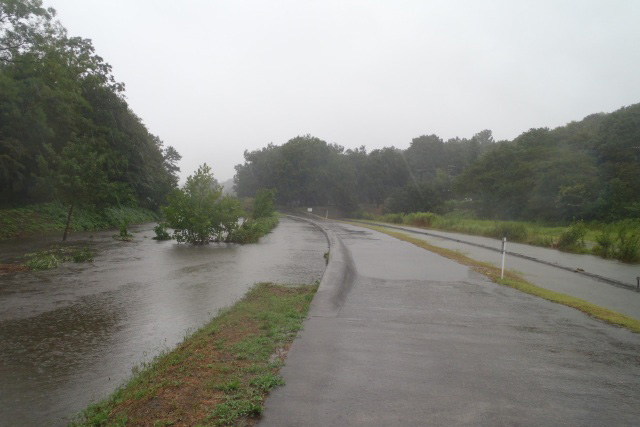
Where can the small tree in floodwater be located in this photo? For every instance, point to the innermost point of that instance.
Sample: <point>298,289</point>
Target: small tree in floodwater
<point>196,212</point>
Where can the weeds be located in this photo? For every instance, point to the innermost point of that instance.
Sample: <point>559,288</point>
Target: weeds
<point>396,218</point>
<point>513,231</point>
<point>124,234</point>
<point>43,261</point>
<point>52,258</point>
<point>83,255</point>
<point>420,219</point>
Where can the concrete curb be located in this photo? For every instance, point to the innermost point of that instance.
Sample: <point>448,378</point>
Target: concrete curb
<point>338,277</point>
<point>610,281</point>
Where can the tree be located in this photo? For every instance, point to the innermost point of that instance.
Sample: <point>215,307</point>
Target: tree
<point>76,176</point>
<point>24,24</point>
<point>197,215</point>
<point>263,204</point>
<point>55,90</point>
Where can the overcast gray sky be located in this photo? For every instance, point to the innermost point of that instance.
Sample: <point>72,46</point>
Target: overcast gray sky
<point>213,78</point>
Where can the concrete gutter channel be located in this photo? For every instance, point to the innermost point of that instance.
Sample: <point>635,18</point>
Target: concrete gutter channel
<point>338,278</point>
<point>603,279</point>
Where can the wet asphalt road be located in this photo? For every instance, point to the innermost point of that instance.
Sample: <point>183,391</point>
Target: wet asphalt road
<point>71,335</point>
<point>622,299</point>
<point>421,340</point>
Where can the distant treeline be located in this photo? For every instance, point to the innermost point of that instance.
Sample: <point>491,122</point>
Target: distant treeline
<point>585,170</point>
<point>66,131</point>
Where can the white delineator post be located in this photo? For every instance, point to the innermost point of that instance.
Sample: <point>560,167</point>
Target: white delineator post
<point>504,250</point>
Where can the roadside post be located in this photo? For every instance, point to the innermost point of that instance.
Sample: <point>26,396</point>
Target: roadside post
<point>504,250</point>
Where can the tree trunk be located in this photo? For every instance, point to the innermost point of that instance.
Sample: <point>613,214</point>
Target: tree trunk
<point>66,229</point>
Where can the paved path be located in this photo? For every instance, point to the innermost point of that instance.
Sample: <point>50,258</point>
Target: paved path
<point>613,270</point>
<point>420,340</point>
<point>623,299</point>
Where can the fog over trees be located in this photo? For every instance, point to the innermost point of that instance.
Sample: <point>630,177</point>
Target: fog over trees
<point>585,170</point>
<point>68,134</point>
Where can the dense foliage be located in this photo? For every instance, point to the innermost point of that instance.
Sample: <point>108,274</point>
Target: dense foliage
<point>66,131</point>
<point>588,169</point>
<point>199,214</point>
<point>585,170</point>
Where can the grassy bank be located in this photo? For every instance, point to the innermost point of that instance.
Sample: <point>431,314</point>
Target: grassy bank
<point>516,281</point>
<point>220,375</point>
<point>52,217</point>
<point>619,240</point>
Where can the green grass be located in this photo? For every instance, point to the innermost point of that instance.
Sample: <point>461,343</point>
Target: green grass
<point>579,237</point>
<point>516,281</point>
<point>52,217</point>
<point>220,375</point>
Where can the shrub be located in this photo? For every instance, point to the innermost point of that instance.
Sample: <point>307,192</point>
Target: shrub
<point>628,245</point>
<point>605,243</point>
<point>123,230</point>
<point>197,214</point>
<point>572,239</point>
<point>161,232</point>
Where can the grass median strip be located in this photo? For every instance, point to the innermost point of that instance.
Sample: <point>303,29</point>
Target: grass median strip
<point>220,375</point>
<point>516,281</point>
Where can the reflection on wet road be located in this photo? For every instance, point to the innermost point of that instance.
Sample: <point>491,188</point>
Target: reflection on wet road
<point>71,335</point>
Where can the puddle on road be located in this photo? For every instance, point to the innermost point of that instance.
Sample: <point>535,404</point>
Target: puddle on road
<point>71,335</point>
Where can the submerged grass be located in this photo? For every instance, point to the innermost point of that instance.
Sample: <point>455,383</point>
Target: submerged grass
<point>516,281</point>
<point>53,257</point>
<point>220,375</point>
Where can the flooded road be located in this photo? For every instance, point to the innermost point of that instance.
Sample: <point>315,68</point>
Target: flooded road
<point>71,335</point>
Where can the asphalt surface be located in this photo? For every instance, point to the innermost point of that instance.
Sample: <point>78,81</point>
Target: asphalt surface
<point>551,269</point>
<point>420,340</point>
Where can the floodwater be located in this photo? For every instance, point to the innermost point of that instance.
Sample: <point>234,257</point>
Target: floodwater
<point>70,336</point>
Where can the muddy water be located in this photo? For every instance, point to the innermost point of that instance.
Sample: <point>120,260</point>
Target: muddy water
<point>71,335</point>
